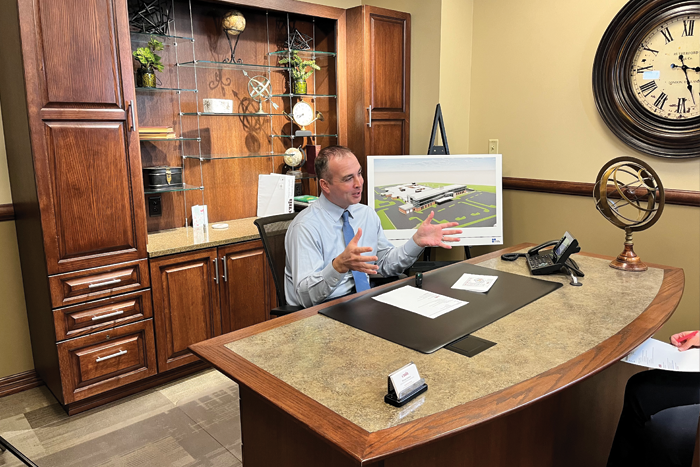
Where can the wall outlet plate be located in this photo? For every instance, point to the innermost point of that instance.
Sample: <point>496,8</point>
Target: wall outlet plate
<point>155,208</point>
<point>493,146</point>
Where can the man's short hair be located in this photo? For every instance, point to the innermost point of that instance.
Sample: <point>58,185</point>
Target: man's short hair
<point>324,157</point>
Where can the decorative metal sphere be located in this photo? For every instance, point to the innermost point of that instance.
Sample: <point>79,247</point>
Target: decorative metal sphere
<point>259,88</point>
<point>233,23</point>
<point>629,194</point>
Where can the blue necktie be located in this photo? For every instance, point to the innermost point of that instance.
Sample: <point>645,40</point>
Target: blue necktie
<point>361,280</point>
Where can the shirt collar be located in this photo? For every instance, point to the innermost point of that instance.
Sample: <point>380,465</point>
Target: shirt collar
<point>335,211</point>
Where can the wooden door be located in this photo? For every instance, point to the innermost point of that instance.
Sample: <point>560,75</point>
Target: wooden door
<point>245,297</point>
<point>185,304</point>
<point>379,87</point>
<point>80,94</point>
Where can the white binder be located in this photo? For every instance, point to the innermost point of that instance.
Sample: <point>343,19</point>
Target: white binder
<point>275,194</point>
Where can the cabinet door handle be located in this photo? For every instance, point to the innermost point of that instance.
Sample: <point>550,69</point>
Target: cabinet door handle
<point>133,116</point>
<point>370,116</point>
<point>223,260</point>
<point>118,354</point>
<point>216,268</point>
<point>108,315</point>
<point>100,284</point>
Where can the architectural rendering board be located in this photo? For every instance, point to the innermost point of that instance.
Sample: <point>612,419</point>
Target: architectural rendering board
<point>404,190</point>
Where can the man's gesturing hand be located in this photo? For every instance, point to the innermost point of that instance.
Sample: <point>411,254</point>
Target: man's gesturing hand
<point>434,234</point>
<point>351,259</point>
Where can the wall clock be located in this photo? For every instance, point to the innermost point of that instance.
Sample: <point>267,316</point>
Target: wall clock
<point>646,77</point>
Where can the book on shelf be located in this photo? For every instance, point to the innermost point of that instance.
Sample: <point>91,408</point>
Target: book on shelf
<point>156,129</point>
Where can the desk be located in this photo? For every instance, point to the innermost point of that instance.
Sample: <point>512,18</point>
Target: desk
<point>311,388</point>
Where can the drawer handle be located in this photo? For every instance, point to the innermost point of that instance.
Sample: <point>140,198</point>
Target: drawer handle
<point>108,315</point>
<point>102,359</point>
<point>100,284</point>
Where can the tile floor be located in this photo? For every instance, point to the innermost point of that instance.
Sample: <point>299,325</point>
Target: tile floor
<point>191,422</point>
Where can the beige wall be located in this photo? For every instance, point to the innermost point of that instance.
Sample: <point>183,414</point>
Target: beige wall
<point>15,348</point>
<point>532,90</point>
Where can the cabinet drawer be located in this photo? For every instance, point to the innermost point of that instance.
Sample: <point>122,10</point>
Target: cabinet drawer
<point>100,315</point>
<point>99,362</point>
<point>82,286</point>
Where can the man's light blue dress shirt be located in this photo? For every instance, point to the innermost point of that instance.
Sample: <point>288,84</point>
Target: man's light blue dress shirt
<point>315,238</point>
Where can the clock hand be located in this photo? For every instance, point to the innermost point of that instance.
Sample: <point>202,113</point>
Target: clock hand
<point>687,80</point>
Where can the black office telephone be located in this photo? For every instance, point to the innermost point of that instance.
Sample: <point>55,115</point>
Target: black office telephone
<point>552,261</point>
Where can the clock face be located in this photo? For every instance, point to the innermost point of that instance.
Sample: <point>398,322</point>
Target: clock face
<point>665,70</point>
<point>303,113</point>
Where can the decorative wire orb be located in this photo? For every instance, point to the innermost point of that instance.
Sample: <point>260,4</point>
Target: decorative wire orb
<point>629,194</point>
<point>259,88</point>
<point>633,198</point>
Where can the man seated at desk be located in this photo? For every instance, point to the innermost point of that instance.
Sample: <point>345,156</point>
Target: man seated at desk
<point>325,242</point>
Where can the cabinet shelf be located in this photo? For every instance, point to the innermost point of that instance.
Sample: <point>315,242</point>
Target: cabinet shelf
<point>214,157</point>
<point>211,114</point>
<point>310,136</point>
<point>185,187</point>
<point>169,139</point>
<point>142,89</point>
<point>303,53</point>
<point>141,37</point>
<point>305,95</point>
<point>233,66</point>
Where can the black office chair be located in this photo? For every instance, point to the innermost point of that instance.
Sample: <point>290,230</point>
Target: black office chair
<point>6,446</point>
<point>272,231</point>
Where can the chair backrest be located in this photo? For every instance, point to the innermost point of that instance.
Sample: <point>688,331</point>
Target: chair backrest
<point>272,231</point>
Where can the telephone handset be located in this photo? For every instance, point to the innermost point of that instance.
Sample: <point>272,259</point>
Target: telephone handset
<point>551,261</point>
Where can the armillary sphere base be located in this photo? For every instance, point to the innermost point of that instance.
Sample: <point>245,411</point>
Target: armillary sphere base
<point>628,259</point>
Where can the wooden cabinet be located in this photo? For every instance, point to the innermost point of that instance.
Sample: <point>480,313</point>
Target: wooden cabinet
<point>185,304</point>
<point>379,86</point>
<point>199,295</point>
<point>68,101</point>
<point>87,168</point>
<point>245,297</point>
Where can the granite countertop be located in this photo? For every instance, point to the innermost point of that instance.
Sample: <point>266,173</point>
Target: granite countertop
<point>168,242</point>
<point>346,369</point>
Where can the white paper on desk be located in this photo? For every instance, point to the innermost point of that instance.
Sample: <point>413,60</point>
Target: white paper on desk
<point>475,282</point>
<point>657,354</point>
<point>422,302</point>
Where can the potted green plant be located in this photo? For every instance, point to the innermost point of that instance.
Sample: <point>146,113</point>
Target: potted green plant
<point>301,70</point>
<point>150,61</point>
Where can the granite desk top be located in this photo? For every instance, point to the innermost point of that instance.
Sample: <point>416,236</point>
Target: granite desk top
<point>346,369</point>
<point>168,242</point>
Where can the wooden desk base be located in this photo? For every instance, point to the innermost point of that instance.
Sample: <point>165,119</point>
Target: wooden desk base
<point>573,427</point>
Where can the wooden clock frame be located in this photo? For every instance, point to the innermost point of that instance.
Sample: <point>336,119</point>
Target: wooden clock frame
<point>613,92</point>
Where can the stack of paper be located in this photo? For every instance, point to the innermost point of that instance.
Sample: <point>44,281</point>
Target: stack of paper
<point>156,132</point>
<point>475,283</point>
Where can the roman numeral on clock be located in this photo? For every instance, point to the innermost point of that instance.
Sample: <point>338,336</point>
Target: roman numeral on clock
<point>655,52</point>
<point>661,101</point>
<point>688,27</point>
<point>643,69</point>
<point>667,35</point>
<point>681,106</point>
<point>648,88</point>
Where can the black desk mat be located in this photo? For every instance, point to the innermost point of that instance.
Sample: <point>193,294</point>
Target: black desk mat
<point>509,293</point>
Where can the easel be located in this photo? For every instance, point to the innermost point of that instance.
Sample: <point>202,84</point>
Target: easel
<point>433,149</point>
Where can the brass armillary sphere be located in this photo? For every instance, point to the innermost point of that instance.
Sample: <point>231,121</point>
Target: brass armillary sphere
<point>629,194</point>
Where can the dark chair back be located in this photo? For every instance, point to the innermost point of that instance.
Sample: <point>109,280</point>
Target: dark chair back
<point>272,231</point>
